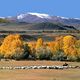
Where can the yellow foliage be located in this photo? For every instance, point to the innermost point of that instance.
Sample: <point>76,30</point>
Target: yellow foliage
<point>52,46</point>
<point>39,43</point>
<point>11,45</point>
<point>69,41</point>
<point>77,45</point>
<point>56,45</point>
<point>59,41</point>
<point>69,45</point>
<point>32,46</point>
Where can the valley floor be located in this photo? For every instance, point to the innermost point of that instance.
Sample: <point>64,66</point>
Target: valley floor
<point>66,74</point>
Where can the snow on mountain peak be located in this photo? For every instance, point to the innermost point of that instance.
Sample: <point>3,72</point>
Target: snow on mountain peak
<point>63,17</point>
<point>21,16</point>
<point>40,15</point>
<point>2,17</point>
<point>77,18</point>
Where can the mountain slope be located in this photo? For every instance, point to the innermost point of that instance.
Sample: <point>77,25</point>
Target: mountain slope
<point>39,18</point>
<point>36,21</point>
<point>34,26</point>
<point>49,26</point>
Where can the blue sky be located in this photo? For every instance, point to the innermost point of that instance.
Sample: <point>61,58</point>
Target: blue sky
<point>66,8</point>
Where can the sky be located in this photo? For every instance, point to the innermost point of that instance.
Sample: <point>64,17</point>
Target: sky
<point>65,8</point>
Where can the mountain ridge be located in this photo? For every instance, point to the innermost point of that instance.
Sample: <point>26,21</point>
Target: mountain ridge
<point>39,19</point>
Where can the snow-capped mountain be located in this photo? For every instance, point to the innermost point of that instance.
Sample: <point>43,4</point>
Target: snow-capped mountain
<point>2,17</point>
<point>39,18</point>
<point>21,16</point>
<point>33,17</point>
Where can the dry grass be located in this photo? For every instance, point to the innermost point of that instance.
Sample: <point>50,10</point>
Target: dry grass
<point>40,74</point>
<point>24,63</point>
<point>67,74</point>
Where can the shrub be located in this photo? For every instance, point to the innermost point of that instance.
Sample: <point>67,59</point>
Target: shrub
<point>32,51</point>
<point>77,45</point>
<point>1,56</point>
<point>18,55</point>
<point>44,53</point>
<point>72,58</point>
<point>78,59</point>
<point>59,56</point>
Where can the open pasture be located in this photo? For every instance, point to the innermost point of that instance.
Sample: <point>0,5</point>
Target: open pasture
<point>46,74</point>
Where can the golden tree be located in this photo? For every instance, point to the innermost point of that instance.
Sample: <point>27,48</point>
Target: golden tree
<point>32,46</point>
<point>39,43</point>
<point>69,46</point>
<point>57,44</point>
<point>77,45</point>
<point>12,45</point>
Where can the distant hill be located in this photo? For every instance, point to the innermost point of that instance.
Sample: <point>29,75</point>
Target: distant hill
<point>37,21</point>
<point>4,20</point>
<point>34,26</point>
<point>48,26</point>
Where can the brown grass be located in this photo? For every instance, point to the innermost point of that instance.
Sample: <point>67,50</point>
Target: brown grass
<point>24,63</point>
<point>67,74</point>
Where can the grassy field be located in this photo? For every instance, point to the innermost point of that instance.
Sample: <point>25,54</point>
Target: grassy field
<point>29,63</point>
<point>66,74</point>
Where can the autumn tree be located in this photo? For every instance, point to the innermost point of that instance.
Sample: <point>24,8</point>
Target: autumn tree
<point>13,47</point>
<point>56,45</point>
<point>51,45</point>
<point>44,53</point>
<point>69,47</point>
<point>39,43</point>
<point>77,45</point>
<point>32,46</point>
<point>56,48</point>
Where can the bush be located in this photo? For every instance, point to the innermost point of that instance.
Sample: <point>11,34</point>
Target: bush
<point>32,54</point>
<point>1,56</point>
<point>78,59</point>
<point>72,59</point>
<point>44,53</point>
<point>22,55</point>
<point>59,56</point>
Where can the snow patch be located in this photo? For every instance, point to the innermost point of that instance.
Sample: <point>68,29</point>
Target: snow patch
<point>21,16</point>
<point>40,15</point>
<point>2,17</point>
<point>77,18</point>
<point>63,17</point>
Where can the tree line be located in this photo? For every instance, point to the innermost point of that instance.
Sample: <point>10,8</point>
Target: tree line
<point>63,48</point>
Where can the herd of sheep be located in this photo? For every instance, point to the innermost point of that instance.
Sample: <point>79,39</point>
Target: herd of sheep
<point>40,67</point>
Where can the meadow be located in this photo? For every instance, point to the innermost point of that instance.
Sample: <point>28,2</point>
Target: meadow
<point>13,45</point>
<point>46,74</point>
